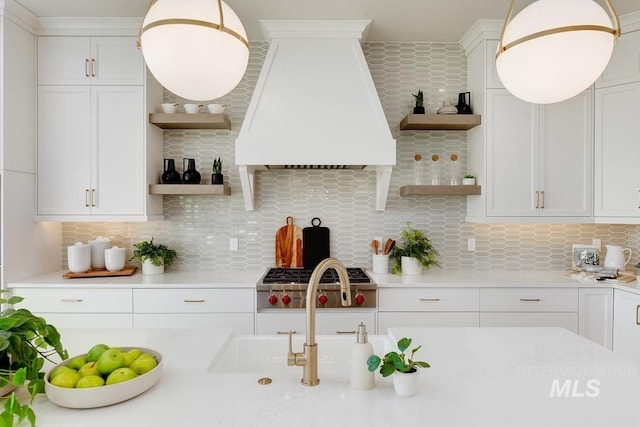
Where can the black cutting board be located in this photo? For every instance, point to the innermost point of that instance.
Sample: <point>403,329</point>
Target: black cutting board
<point>315,244</point>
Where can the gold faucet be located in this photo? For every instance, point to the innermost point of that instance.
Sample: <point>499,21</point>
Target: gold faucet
<point>308,359</point>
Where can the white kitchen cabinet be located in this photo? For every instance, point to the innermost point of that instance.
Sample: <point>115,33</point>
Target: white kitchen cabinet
<point>328,321</point>
<point>626,324</point>
<point>529,307</point>
<point>114,61</point>
<point>617,176</point>
<point>624,65</point>
<point>96,152</point>
<point>195,307</point>
<point>539,157</point>
<point>534,162</point>
<point>595,315</point>
<point>80,307</point>
<point>398,319</point>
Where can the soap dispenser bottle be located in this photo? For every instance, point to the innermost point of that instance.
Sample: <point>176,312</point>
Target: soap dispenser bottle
<point>361,378</point>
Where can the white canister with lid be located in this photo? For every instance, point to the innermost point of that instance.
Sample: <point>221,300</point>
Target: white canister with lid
<point>114,258</point>
<point>79,258</point>
<point>97,251</point>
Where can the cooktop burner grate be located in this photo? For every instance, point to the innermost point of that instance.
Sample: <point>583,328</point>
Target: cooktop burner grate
<point>303,275</point>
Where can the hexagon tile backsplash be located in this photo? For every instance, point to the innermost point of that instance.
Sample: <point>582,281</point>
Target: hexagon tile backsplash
<point>199,227</point>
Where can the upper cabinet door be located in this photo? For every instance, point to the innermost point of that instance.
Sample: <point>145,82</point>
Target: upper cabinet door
<point>84,61</point>
<point>116,61</point>
<point>64,61</point>
<point>624,66</point>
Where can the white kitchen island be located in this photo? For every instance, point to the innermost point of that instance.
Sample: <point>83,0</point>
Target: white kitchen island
<point>479,377</point>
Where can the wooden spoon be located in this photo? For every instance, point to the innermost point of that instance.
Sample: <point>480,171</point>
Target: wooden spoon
<point>374,245</point>
<point>389,244</point>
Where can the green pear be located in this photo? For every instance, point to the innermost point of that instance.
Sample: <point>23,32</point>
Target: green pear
<point>77,362</point>
<point>66,379</point>
<point>90,381</point>
<point>58,370</point>
<point>96,351</point>
<point>110,360</point>
<point>135,353</point>
<point>88,369</point>
<point>120,375</point>
<point>142,365</point>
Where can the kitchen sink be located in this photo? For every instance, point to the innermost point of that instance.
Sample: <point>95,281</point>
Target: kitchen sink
<point>267,354</point>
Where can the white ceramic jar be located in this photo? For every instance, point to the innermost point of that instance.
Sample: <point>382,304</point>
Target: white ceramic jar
<point>406,384</point>
<point>410,266</point>
<point>149,268</point>
<point>115,258</point>
<point>97,251</point>
<point>79,258</point>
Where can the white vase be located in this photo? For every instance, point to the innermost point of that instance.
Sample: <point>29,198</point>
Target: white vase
<point>406,384</point>
<point>149,268</point>
<point>410,266</point>
<point>468,181</point>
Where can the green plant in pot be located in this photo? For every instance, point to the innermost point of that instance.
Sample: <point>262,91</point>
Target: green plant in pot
<point>216,176</point>
<point>153,256</point>
<point>26,341</point>
<point>405,382</point>
<point>419,103</point>
<point>415,245</point>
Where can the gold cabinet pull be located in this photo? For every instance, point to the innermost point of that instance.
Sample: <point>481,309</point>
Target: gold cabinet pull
<point>638,314</point>
<point>71,300</point>
<point>86,67</point>
<point>345,332</point>
<point>93,67</point>
<point>86,197</point>
<point>530,299</point>
<point>429,299</point>
<point>638,199</point>
<point>93,197</point>
<point>537,199</point>
<point>542,204</point>
<point>193,300</point>
<point>286,332</point>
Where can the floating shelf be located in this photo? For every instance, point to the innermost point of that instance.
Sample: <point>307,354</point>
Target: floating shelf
<point>190,121</point>
<point>440,190</point>
<point>191,189</point>
<point>440,121</point>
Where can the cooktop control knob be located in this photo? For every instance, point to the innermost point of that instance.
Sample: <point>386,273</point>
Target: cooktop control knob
<point>359,298</point>
<point>322,299</point>
<point>273,299</point>
<point>286,299</point>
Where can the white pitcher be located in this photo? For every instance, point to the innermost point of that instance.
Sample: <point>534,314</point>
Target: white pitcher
<point>615,257</point>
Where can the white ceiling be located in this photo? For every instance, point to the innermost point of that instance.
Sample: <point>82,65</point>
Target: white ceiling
<point>392,20</point>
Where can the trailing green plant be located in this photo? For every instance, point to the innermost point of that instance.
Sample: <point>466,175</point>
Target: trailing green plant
<point>419,98</point>
<point>157,253</point>
<point>26,341</point>
<point>394,361</point>
<point>217,166</point>
<point>415,244</point>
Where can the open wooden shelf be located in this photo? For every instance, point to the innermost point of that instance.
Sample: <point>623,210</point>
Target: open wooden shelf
<point>191,189</point>
<point>190,121</point>
<point>440,121</point>
<point>440,190</point>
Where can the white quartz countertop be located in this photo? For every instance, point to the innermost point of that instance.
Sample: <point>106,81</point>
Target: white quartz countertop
<point>233,279</point>
<point>479,377</point>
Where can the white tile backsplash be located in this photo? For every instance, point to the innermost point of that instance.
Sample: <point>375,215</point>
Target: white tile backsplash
<point>199,227</point>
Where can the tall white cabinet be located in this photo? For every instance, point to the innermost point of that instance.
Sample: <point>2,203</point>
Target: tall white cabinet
<point>617,145</point>
<point>626,324</point>
<point>533,161</point>
<point>96,151</point>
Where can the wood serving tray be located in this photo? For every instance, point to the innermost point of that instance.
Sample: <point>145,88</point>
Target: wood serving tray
<point>126,271</point>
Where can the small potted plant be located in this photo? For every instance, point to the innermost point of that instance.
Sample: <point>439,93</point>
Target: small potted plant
<point>26,340</point>
<point>405,383</point>
<point>469,180</point>
<point>153,256</point>
<point>414,252</point>
<point>216,177</point>
<point>419,99</point>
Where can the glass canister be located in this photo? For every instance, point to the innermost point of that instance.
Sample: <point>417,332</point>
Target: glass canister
<point>436,170</point>
<point>419,170</point>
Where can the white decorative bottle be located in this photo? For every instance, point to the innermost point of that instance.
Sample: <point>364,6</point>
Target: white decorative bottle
<point>361,378</point>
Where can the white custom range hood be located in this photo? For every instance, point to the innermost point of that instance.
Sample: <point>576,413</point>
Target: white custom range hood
<point>315,106</point>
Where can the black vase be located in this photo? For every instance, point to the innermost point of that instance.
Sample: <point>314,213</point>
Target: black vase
<point>418,110</point>
<point>217,178</point>
<point>170,174</point>
<point>190,174</point>
<point>464,103</point>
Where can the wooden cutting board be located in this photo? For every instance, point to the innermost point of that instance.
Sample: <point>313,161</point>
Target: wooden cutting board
<point>126,271</point>
<point>289,245</point>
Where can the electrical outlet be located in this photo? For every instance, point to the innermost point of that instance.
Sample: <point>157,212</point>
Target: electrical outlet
<point>471,245</point>
<point>233,244</point>
<point>597,243</point>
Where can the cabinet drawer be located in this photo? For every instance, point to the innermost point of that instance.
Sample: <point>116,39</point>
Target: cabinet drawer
<point>528,299</point>
<point>401,320</point>
<point>563,320</point>
<point>242,323</point>
<point>89,320</point>
<point>327,322</point>
<point>428,299</point>
<point>192,300</point>
<point>84,300</point>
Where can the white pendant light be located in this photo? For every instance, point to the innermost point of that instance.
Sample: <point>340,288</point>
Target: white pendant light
<point>197,49</point>
<point>554,49</point>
